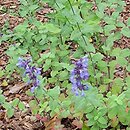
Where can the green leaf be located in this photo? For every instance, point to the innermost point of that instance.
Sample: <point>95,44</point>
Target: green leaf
<point>102,120</point>
<point>78,52</point>
<point>127,80</point>
<point>34,106</point>
<point>75,35</point>
<point>90,48</point>
<point>97,57</point>
<point>102,65</point>
<point>1,91</point>
<point>125,52</point>
<point>7,105</point>
<point>128,21</point>
<point>33,7</point>
<point>95,127</point>
<point>1,73</point>
<point>53,104</point>
<point>109,28</point>
<point>21,29</point>
<point>54,73</point>
<point>100,14</point>
<point>21,106</point>
<point>115,15</point>
<point>112,112</point>
<point>119,102</point>
<point>116,89</point>
<point>91,122</point>
<point>115,52</point>
<point>47,64</point>
<point>43,106</point>
<point>65,113</point>
<point>120,24</point>
<point>89,108</point>
<point>52,28</point>
<point>99,75</point>
<point>128,68</point>
<point>24,2</point>
<point>63,75</point>
<point>54,92</point>
<point>66,103</point>
<point>85,127</point>
<point>102,88</point>
<point>126,32</point>
<point>10,112</point>
<point>2,99</point>
<point>128,128</point>
<point>122,61</point>
<point>15,102</point>
<point>66,66</point>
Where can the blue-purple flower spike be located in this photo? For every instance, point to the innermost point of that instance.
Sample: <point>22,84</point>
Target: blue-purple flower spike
<point>78,74</point>
<point>31,71</point>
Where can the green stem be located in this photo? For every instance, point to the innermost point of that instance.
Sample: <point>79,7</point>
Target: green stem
<point>94,71</point>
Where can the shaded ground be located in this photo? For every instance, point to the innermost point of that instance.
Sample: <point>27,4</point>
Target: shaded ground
<point>25,121</point>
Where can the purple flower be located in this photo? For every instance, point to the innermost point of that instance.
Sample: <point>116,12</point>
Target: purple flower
<point>31,71</point>
<point>78,74</point>
<point>22,63</point>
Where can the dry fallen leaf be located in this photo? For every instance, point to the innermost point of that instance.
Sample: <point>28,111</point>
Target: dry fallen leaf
<point>15,124</point>
<point>2,62</point>
<point>28,125</point>
<point>77,123</point>
<point>17,87</point>
<point>50,125</point>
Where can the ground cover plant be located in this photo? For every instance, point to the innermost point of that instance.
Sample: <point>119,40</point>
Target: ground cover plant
<point>69,63</point>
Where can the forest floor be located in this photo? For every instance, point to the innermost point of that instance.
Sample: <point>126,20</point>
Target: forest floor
<point>25,121</point>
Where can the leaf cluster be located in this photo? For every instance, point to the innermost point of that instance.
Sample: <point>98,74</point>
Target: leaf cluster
<point>74,29</point>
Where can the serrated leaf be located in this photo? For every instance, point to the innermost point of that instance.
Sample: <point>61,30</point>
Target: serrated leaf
<point>102,88</point>
<point>75,35</point>
<point>54,73</point>
<point>112,112</point>
<point>89,108</point>
<point>52,28</point>
<point>90,48</point>
<point>119,102</point>
<point>97,57</point>
<point>109,28</point>
<point>63,75</point>
<point>91,122</point>
<point>115,52</point>
<point>122,61</point>
<point>43,106</point>
<point>102,120</point>
<point>54,92</point>
<point>126,32</point>
<point>34,106</point>
<point>125,52</point>
<point>66,66</point>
